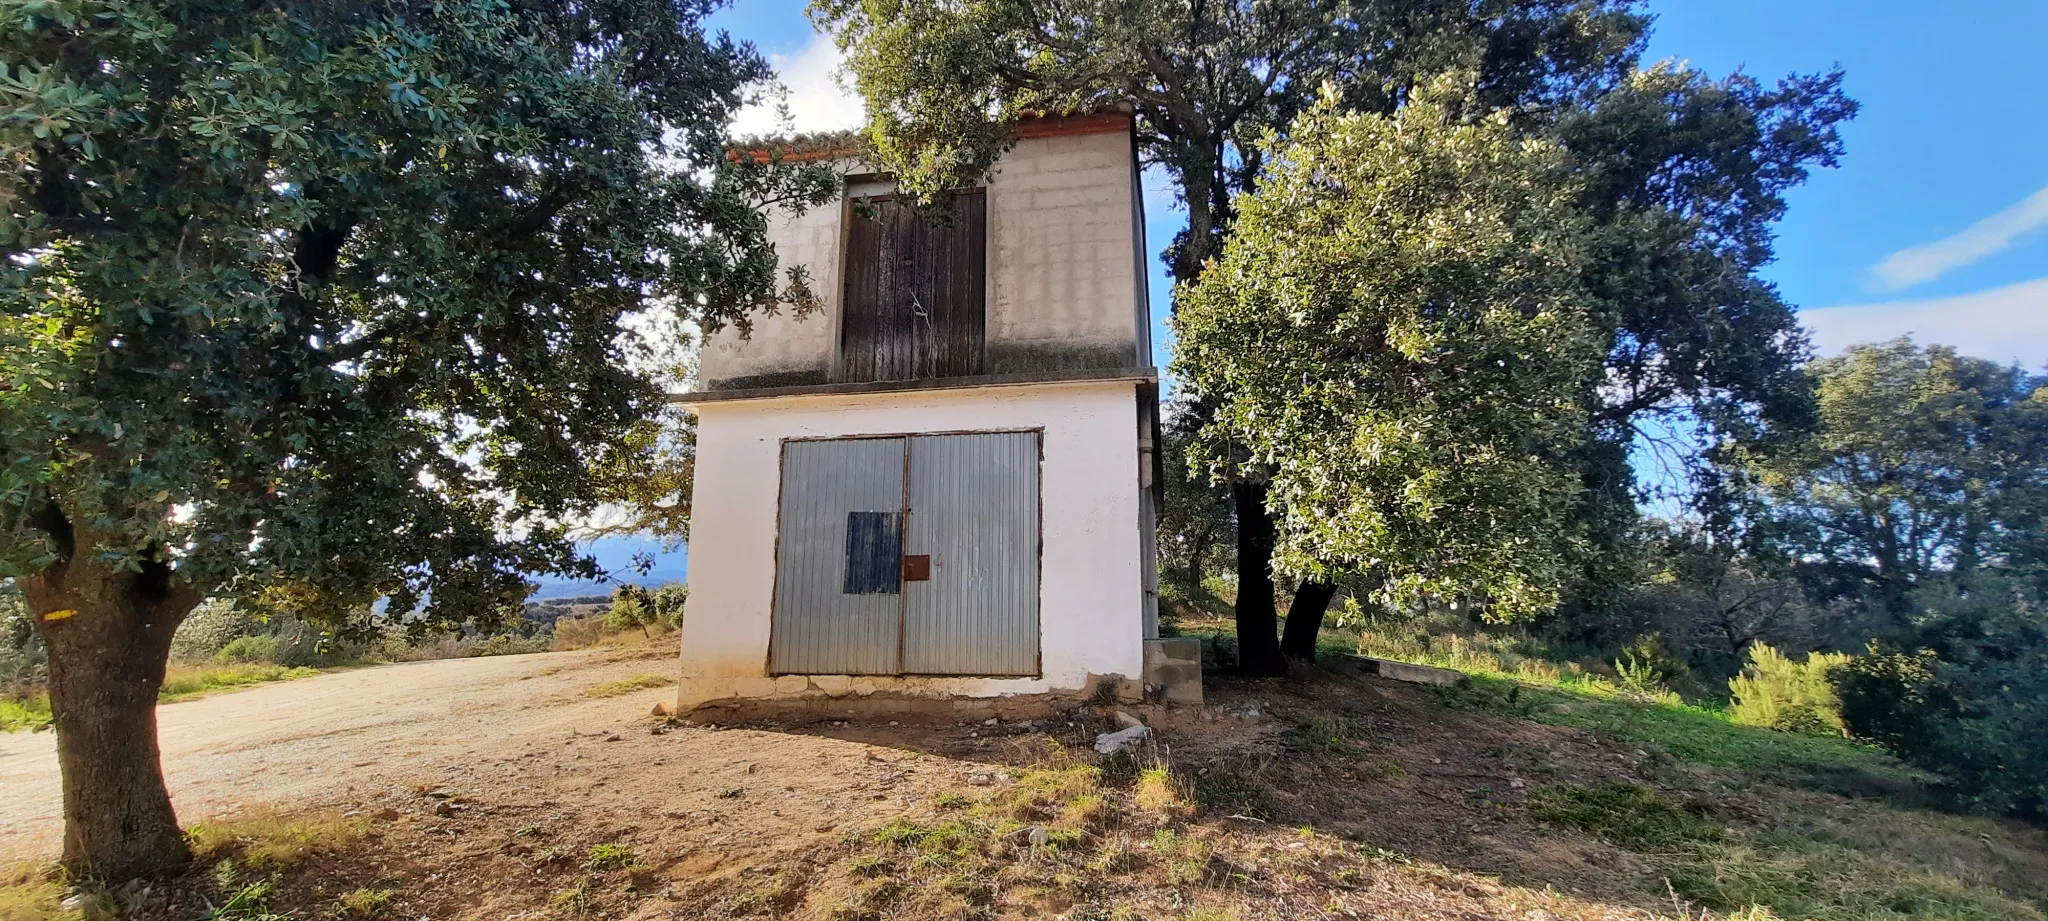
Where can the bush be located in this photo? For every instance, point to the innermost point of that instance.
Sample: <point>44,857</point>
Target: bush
<point>303,645</point>
<point>1964,695</point>
<point>259,648</point>
<point>578,632</point>
<point>210,628</point>
<point>24,665</point>
<point>1775,692</point>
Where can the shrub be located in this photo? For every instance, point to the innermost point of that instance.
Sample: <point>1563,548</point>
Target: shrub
<point>1964,695</point>
<point>578,632</point>
<point>303,645</point>
<point>259,648</point>
<point>24,665</point>
<point>210,628</point>
<point>1775,692</point>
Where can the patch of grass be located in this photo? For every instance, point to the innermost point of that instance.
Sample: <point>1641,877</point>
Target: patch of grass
<point>1826,882</point>
<point>1326,734</point>
<point>241,901</point>
<point>1157,789</point>
<point>627,685</point>
<point>1625,815</point>
<point>1234,787</point>
<point>187,682</point>
<point>28,712</point>
<point>775,897</point>
<point>1698,735</point>
<point>1186,859</point>
<point>611,857</point>
<point>1383,769</point>
<point>33,894</point>
<point>363,903</point>
<point>267,840</point>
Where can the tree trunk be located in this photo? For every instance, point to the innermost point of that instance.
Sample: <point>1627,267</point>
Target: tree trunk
<point>109,638</point>
<point>1198,550</point>
<point>1305,619</point>
<point>1258,621</point>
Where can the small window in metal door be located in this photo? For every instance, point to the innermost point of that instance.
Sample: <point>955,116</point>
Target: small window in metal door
<point>874,553</point>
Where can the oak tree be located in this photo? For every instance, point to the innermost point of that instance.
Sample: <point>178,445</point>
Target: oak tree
<point>1398,329</point>
<point>322,303</point>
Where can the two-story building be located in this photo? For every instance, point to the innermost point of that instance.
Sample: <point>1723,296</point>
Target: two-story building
<point>941,484</point>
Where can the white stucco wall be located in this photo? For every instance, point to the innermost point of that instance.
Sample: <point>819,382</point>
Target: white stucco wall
<point>1091,582</point>
<point>1065,263</point>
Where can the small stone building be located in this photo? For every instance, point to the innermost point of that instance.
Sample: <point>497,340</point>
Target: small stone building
<point>942,485</point>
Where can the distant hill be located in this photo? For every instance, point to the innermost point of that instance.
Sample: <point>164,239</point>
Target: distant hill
<point>615,554</point>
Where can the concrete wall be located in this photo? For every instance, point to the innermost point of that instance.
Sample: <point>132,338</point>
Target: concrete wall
<point>1090,604</point>
<point>1061,241</point>
<point>785,349</point>
<point>1066,271</point>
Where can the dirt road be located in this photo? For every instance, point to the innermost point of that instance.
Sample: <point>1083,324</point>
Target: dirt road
<point>341,738</point>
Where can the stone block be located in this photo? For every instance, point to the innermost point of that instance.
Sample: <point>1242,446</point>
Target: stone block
<point>791,685</point>
<point>1410,672</point>
<point>1173,670</point>
<point>832,685</point>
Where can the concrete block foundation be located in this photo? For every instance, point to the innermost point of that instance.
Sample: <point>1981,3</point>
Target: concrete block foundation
<point>1173,671</point>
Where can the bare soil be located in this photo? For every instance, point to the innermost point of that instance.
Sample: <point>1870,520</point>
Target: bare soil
<point>483,786</point>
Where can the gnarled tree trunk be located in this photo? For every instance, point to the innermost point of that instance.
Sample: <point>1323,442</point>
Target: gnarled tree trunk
<point>1258,621</point>
<point>109,639</point>
<point>1305,619</point>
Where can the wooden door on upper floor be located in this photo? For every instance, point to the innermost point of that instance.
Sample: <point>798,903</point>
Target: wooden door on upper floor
<point>914,303</point>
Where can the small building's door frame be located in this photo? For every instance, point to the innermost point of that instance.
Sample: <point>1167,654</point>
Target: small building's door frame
<point>794,634</point>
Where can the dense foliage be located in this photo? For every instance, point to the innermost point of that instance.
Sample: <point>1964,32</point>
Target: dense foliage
<point>327,300</point>
<point>1926,464</point>
<point>1963,693</point>
<point>1397,331</point>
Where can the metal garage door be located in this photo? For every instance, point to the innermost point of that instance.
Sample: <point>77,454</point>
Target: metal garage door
<point>832,619</point>
<point>914,555</point>
<point>974,510</point>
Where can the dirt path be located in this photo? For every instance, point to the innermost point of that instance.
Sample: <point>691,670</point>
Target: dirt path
<point>340,738</point>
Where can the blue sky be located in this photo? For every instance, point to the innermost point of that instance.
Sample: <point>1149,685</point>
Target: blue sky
<point>1936,223</point>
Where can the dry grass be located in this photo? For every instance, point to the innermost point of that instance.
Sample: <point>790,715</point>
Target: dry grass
<point>186,682</point>
<point>33,893</point>
<point>627,685</point>
<point>271,840</point>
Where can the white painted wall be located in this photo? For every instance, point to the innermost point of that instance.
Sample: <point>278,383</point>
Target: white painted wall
<point>1066,253</point>
<point>1091,582</point>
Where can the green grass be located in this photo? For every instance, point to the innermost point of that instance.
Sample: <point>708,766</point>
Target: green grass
<point>364,903</point>
<point>31,712</point>
<point>627,685</point>
<point>1518,676</point>
<point>29,894</point>
<point>1704,736</point>
<point>1625,815</point>
<point>1818,881</point>
<point>183,683</point>
<point>24,713</point>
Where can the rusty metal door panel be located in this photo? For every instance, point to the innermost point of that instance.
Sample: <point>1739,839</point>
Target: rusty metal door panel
<point>975,510</point>
<point>914,300</point>
<point>838,529</point>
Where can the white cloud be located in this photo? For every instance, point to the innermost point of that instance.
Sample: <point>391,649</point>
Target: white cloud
<point>817,100</point>
<point>2002,324</point>
<point>1929,261</point>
